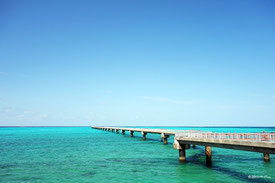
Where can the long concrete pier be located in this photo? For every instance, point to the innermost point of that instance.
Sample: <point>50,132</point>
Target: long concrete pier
<point>183,139</point>
<point>163,132</point>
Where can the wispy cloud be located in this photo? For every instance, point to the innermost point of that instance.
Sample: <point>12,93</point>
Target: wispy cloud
<point>168,100</point>
<point>44,115</point>
<point>255,95</point>
<point>23,75</point>
<point>225,107</point>
<point>18,114</point>
<point>6,110</point>
<point>20,75</point>
<point>29,112</point>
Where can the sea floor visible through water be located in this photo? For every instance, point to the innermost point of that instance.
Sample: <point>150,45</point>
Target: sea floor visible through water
<point>82,154</point>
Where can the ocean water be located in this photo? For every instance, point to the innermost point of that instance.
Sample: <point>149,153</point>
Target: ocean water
<point>82,154</point>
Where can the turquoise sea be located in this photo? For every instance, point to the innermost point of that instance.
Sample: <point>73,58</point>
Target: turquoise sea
<point>82,154</point>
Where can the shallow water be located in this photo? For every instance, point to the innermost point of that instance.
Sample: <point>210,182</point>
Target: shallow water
<point>82,154</point>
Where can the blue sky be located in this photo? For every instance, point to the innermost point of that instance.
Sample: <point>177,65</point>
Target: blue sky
<point>138,62</point>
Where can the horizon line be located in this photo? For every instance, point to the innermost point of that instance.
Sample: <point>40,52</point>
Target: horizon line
<point>18,126</point>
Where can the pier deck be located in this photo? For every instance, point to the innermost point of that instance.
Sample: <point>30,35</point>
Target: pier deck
<point>255,142</point>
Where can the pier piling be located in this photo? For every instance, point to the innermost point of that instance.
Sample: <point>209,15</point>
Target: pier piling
<point>182,157</point>
<point>266,157</point>
<point>181,148</point>
<point>208,155</point>
<point>144,135</point>
<point>164,136</point>
<point>165,139</point>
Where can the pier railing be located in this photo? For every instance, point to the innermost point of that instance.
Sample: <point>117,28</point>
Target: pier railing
<point>263,136</point>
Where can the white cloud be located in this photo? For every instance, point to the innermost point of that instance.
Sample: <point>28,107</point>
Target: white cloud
<point>225,107</point>
<point>255,95</point>
<point>6,110</point>
<point>16,74</point>
<point>29,112</point>
<point>168,100</point>
<point>23,75</point>
<point>44,115</point>
<point>242,102</point>
<point>19,114</point>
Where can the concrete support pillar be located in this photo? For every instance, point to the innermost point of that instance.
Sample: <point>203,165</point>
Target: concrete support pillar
<point>182,155</point>
<point>181,148</point>
<point>208,155</point>
<point>164,137</point>
<point>123,132</point>
<point>117,131</point>
<point>165,140</point>
<point>131,133</point>
<point>266,157</point>
<point>144,135</point>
